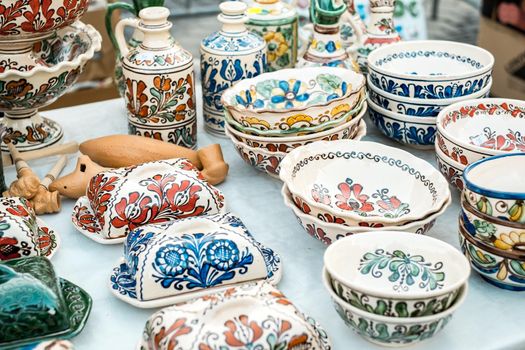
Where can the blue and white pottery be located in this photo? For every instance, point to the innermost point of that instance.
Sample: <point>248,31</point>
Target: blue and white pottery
<point>430,69</point>
<point>227,57</point>
<point>418,132</point>
<point>172,262</point>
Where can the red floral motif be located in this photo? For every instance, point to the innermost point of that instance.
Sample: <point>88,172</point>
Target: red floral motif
<point>488,109</point>
<point>99,193</point>
<point>321,195</point>
<point>390,204</point>
<point>176,329</point>
<point>371,224</point>
<point>351,198</point>
<point>9,248</point>
<point>299,203</point>
<point>44,241</point>
<point>84,219</point>
<point>8,16</point>
<point>318,233</point>
<point>137,100</point>
<point>511,141</point>
<point>331,219</point>
<point>19,210</point>
<point>241,332</point>
<point>134,211</point>
<point>458,156</point>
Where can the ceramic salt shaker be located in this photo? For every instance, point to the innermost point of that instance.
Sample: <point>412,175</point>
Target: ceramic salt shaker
<point>228,56</point>
<point>159,78</point>
<point>277,22</point>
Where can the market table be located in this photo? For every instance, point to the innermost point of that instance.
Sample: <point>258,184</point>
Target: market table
<point>491,318</point>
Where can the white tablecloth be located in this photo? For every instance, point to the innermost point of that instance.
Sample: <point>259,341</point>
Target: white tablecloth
<point>491,318</point>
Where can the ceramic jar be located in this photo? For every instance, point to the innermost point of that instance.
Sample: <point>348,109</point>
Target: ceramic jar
<point>352,27</point>
<point>159,81</point>
<point>227,57</point>
<point>277,23</point>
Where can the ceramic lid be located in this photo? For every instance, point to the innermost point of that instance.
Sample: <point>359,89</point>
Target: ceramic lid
<point>120,200</point>
<point>172,262</point>
<point>253,315</point>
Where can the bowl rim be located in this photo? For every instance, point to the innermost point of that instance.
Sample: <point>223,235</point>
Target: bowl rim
<point>398,116</point>
<point>492,219</point>
<point>422,45</point>
<point>446,159</point>
<point>463,291</point>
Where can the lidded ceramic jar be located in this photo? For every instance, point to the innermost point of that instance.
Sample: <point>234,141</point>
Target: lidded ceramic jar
<point>159,78</point>
<point>228,56</point>
<point>277,23</point>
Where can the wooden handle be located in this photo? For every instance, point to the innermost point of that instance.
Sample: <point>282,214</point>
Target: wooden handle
<point>20,163</point>
<point>52,175</point>
<point>66,148</point>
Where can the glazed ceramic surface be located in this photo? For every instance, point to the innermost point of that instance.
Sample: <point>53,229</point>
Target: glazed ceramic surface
<point>119,200</point>
<point>33,298</point>
<point>407,188</point>
<point>249,316</point>
<point>418,132</point>
<point>228,56</point>
<point>430,69</point>
<point>22,234</point>
<point>175,261</point>
<point>476,129</point>
<point>54,344</point>
<point>392,331</point>
<point>451,169</point>
<point>160,91</point>
<point>352,27</point>
<point>294,98</point>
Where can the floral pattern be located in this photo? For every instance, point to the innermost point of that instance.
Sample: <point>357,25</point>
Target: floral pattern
<point>511,141</point>
<point>289,94</point>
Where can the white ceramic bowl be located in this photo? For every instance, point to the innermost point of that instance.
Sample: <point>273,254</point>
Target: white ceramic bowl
<point>451,169</point>
<point>430,69</point>
<point>363,181</point>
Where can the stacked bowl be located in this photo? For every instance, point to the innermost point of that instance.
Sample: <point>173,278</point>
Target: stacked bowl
<point>492,221</point>
<point>340,188</point>
<point>395,288</point>
<point>409,83</point>
<point>476,129</point>
<point>274,113</point>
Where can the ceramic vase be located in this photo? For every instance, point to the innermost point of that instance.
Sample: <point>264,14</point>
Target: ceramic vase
<point>159,78</point>
<point>277,23</point>
<point>352,27</point>
<point>228,56</point>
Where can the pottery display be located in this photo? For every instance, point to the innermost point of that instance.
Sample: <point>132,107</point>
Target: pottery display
<point>160,91</point>
<point>227,57</point>
<point>252,315</point>
<point>276,22</point>
<point>450,168</point>
<point>172,262</point>
<point>33,298</point>
<point>119,200</point>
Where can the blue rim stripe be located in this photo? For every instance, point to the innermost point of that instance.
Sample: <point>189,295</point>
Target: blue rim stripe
<point>451,80</point>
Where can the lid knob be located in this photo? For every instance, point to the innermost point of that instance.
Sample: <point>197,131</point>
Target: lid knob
<point>154,16</point>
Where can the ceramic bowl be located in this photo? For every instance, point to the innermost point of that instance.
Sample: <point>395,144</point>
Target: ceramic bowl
<point>451,169</point>
<point>495,186</point>
<point>481,128</point>
<point>418,132</point>
<point>22,234</point>
<point>168,263</point>
<point>392,331</point>
<point>35,305</point>
<point>120,200</point>
<point>404,189</point>
<point>250,316</point>
<point>430,69</point>
<point>328,229</point>
<point>294,98</point>
<point>414,106</point>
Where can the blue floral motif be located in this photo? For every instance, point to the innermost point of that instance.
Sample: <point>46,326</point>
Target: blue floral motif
<point>248,98</point>
<point>172,260</point>
<point>220,42</point>
<point>222,254</point>
<point>290,94</point>
<point>272,260</point>
<point>123,281</point>
<point>400,107</point>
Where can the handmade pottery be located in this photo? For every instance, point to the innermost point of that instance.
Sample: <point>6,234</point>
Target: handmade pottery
<point>408,188</point>
<point>277,22</point>
<point>32,297</point>
<point>294,98</point>
<point>475,129</point>
<point>494,186</point>
<point>160,91</point>
<point>392,331</point>
<point>252,315</point>
<point>22,234</point>
<point>54,344</point>
<point>351,27</point>
<point>417,132</point>
<point>120,200</point>
<point>169,263</point>
<point>228,56</point>
<point>430,69</point>
<point>451,169</point>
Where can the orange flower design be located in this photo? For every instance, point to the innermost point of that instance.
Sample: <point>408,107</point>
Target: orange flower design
<point>241,332</point>
<point>17,89</point>
<point>162,83</point>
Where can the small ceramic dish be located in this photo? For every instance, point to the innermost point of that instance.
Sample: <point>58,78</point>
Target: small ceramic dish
<point>294,98</point>
<point>481,128</point>
<point>430,69</point>
<point>35,305</point>
<point>169,263</point>
<point>392,331</point>
<point>120,200</point>
<point>407,188</point>
<point>22,233</point>
<point>414,106</point>
<point>451,170</point>
<point>495,186</point>
<point>249,316</point>
<point>418,132</point>
<point>328,229</point>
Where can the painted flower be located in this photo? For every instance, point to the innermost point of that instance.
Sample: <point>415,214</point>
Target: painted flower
<point>289,94</point>
<point>16,89</point>
<point>248,98</point>
<point>9,249</point>
<point>242,332</point>
<point>183,197</point>
<point>222,254</point>
<point>321,194</point>
<point>172,259</point>
<point>508,241</point>
<point>318,233</point>
<point>276,44</point>
<point>392,207</point>
<point>162,83</point>
<point>351,198</point>
<point>134,211</point>
<point>299,342</point>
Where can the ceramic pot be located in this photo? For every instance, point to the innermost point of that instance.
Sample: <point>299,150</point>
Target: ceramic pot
<point>160,91</point>
<point>227,57</point>
<point>277,23</point>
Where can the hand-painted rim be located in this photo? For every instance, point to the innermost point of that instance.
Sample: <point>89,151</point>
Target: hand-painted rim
<point>399,116</point>
<point>492,219</point>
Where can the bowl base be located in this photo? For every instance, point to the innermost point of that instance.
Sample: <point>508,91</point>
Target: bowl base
<point>503,285</point>
<point>32,132</point>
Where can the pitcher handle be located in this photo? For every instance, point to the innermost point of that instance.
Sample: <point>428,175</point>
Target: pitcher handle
<point>109,13</point>
<point>122,45</point>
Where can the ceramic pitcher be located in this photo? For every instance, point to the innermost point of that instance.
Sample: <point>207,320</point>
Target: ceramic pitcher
<point>159,81</point>
<point>277,23</point>
<point>228,56</point>
<point>352,28</point>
